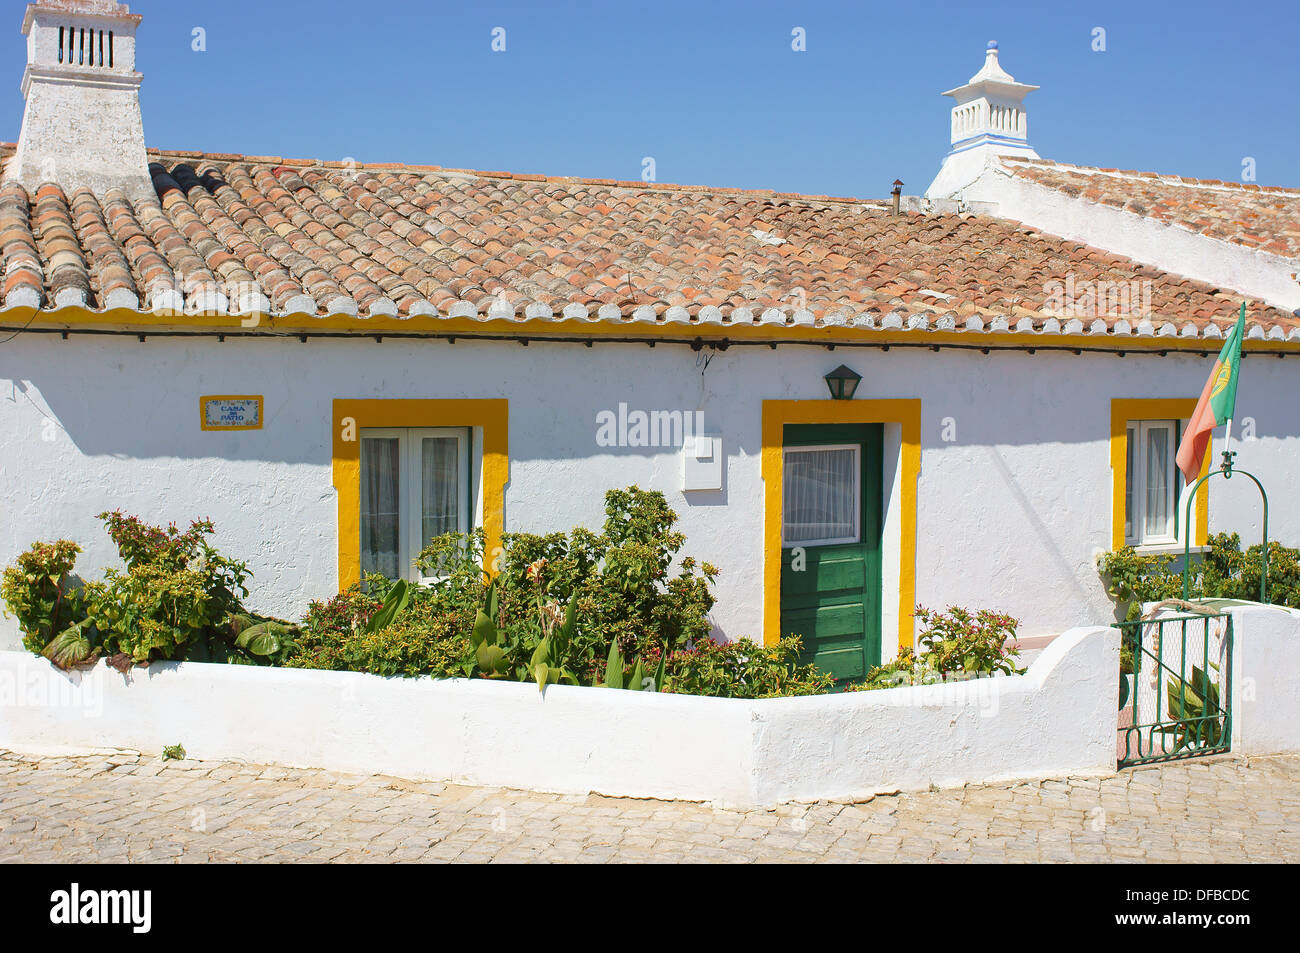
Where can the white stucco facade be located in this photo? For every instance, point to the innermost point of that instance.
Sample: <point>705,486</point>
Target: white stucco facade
<point>1010,512</point>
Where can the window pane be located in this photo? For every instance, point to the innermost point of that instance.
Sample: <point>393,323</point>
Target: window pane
<point>380,535</point>
<point>1128,482</point>
<point>1158,482</point>
<point>440,493</point>
<point>821,495</point>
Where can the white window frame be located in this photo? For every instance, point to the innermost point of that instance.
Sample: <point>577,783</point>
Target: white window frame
<point>1135,485</point>
<point>857,494</point>
<point>411,485</point>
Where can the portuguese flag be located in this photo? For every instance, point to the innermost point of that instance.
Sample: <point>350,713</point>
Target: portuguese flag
<point>1217,404</point>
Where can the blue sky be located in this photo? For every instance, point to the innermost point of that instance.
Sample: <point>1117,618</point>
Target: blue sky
<point>714,92</point>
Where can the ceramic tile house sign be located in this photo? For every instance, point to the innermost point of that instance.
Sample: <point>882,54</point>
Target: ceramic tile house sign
<point>231,412</point>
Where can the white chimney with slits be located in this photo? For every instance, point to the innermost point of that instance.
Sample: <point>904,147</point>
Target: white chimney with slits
<point>988,120</point>
<point>81,124</point>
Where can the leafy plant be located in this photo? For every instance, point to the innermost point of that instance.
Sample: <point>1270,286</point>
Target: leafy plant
<point>397,599</point>
<point>638,680</point>
<point>743,669</point>
<point>1223,571</point>
<point>268,640</point>
<point>37,592</point>
<point>1194,709</point>
<point>73,647</point>
<point>491,646</point>
<point>178,598</point>
<point>173,753</point>
<point>956,644</point>
<point>622,577</point>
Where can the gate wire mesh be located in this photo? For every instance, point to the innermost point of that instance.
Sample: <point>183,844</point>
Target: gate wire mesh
<point>1175,688</point>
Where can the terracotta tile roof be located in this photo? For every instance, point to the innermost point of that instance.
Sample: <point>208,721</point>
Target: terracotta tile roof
<point>1257,216</point>
<point>238,234</point>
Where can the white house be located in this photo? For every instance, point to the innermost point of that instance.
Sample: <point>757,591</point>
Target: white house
<point>333,361</point>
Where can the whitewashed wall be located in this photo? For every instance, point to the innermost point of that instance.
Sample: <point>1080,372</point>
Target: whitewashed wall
<point>1011,513</point>
<point>1056,720</point>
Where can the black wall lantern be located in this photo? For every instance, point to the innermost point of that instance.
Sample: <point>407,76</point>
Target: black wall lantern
<point>842,382</point>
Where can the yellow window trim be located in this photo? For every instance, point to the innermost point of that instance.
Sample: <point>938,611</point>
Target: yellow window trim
<point>778,413</point>
<point>1125,409</point>
<point>351,415</point>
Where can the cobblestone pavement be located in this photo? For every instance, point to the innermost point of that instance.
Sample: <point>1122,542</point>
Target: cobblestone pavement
<point>130,807</point>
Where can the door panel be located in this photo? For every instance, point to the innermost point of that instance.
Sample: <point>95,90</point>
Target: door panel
<point>830,594</point>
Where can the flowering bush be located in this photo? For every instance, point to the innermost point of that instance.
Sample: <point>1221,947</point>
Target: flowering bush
<point>956,644</point>
<point>424,639</point>
<point>36,591</point>
<point>178,598</point>
<point>743,669</point>
<point>619,583</point>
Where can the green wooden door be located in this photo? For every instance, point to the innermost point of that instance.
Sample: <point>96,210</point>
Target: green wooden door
<point>830,547</point>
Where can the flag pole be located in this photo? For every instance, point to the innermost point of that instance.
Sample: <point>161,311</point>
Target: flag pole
<point>1227,434</point>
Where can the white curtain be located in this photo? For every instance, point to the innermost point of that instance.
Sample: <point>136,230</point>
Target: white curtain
<point>440,493</point>
<point>821,495</point>
<point>1156,522</point>
<point>380,492</point>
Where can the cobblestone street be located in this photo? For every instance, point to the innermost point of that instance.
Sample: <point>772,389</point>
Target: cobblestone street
<point>129,807</point>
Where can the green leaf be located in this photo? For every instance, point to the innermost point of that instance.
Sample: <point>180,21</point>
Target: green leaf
<point>570,619</point>
<point>491,658</point>
<point>635,682</point>
<point>262,639</point>
<point>614,667</point>
<point>71,647</point>
<point>542,672</point>
<point>398,598</point>
<point>541,654</point>
<point>485,630</point>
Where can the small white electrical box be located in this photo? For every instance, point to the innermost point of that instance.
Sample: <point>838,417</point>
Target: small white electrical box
<point>702,462</point>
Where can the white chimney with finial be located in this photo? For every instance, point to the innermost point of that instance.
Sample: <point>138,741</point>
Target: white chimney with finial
<point>81,124</point>
<point>988,120</point>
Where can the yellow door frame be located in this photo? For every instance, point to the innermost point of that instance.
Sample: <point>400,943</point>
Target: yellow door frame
<point>490,415</point>
<point>778,413</point>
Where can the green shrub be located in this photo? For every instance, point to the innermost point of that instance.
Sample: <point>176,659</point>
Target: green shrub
<point>178,598</point>
<point>581,607</point>
<point>954,645</point>
<point>619,581</point>
<point>36,591</point>
<point>149,612</point>
<point>425,639</point>
<point>1223,572</point>
<point>327,624</point>
<point>741,669</point>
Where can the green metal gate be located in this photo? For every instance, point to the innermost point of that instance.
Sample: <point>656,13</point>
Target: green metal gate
<point>1175,692</point>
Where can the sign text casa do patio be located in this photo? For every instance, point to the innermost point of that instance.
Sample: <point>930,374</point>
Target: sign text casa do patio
<point>231,412</point>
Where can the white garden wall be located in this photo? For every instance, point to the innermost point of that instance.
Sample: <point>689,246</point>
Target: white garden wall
<point>1056,720</point>
<point>1011,511</point>
<point>1265,680</point>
